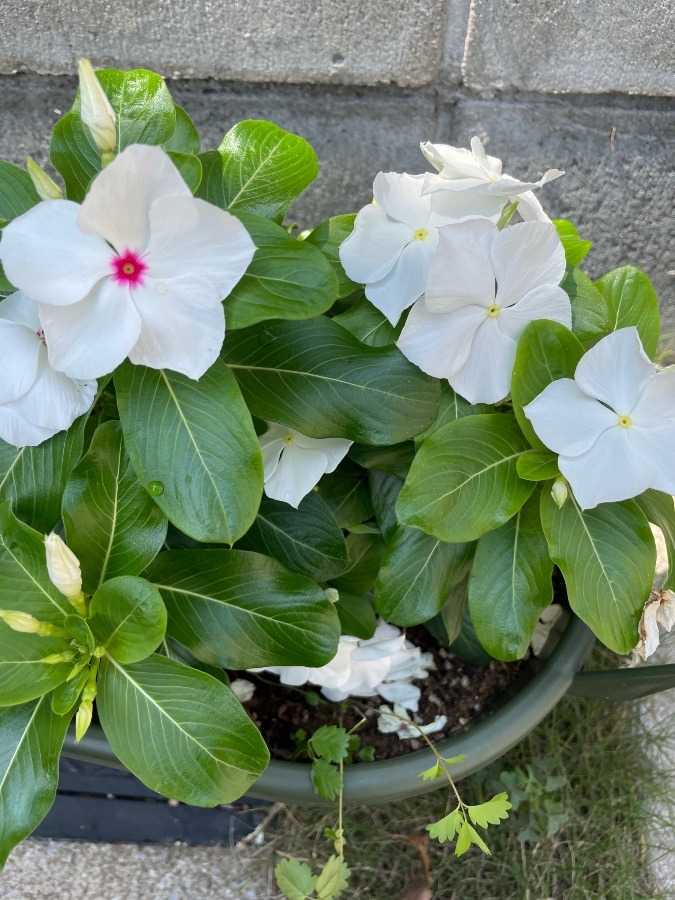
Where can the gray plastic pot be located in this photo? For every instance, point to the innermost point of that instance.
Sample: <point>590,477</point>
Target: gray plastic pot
<point>396,779</point>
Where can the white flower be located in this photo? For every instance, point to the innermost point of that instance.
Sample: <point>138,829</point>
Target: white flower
<point>243,689</point>
<point>138,270</point>
<point>395,237</point>
<point>384,664</point>
<point>294,463</point>
<point>63,566</point>
<point>613,424</point>
<point>396,722</point>
<point>35,401</point>
<point>659,610</point>
<point>476,172</point>
<point>484,287</point>
<point>95,109</point>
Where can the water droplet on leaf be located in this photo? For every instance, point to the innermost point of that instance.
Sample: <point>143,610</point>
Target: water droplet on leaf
<point>156,488</point>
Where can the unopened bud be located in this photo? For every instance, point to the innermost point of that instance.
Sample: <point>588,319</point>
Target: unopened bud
<point>45,186</point>
<point>95,109</point>
<point>559,492</point>
<point>63,567</point>
<point>55,658</point>
<point>83,719</point>
<point>332,594</point>
<point>27,624</point>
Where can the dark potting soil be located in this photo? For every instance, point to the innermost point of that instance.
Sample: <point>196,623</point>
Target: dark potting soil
<point>462,692</point>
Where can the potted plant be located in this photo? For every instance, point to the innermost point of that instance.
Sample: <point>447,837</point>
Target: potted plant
<point>408,413</point>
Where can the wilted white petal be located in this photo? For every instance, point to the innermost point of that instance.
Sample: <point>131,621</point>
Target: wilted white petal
<point>377,649</point>
<point>440,343</point>
<point>297,473</point>
<point>486,376</point>
<point>616,370</point>
<point>460,272</point>
<point>408,695</point>
<point>401,197</point>
<point>526,256</point>
<point>566,419</point>
<point>372,249</point>
<point>405,283</point>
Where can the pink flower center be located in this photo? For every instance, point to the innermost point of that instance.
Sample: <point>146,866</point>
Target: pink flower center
<point>128,269</point>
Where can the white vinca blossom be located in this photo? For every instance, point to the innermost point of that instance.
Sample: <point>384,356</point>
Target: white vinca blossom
<point>385,664</point>
<point>613,424</point>
<point>475,172</point>
<point>395,237</point>
<point>484,287</point>
<point>138,270</point>
<point>294,463</point>
<point>35,401</point>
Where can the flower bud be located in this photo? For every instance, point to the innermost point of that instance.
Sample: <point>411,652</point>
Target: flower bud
<point>332,594</point>
<point>27,624</point>
<point>55,658</point>
<point>45,186</point>
<point>559,492</point>
<point>95,109</point>
<point>63,567</point>
<point>86,708</point>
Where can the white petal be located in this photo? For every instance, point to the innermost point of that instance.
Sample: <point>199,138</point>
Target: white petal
<point>19,350</point>
<point>92,337</point>
<point>616,370</point>
<point>486,375</point>
<point>610,471</point>
<point>47,257</point>
<point>18,432</point>
<point>400,196</point>
<point>461,271</point>
<point>182,325</point>
<point>530,208</point>
<point>297,473</point>
<point>335,449</point>
<point>405,283</point>
<point>449,205</point>
<point>21,309</point>
<point>368,651</point>
<point>655,447</point>
<point>54,401</point>
<point>439,343</point>
<point>459,163</point>
<point>656,405</point>
<point>566,419</point>
<point>189,236</point>
<point>119,200</point>
<point>408,695</point>
<point>272,443</point>
<point>526,256</point>
<point>372,249</point>
<point>546,302</point>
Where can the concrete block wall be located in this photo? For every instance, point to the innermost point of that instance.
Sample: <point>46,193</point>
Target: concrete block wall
<point>582,85</point>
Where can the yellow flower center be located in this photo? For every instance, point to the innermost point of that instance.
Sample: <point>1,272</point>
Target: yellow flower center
<point>289,438</point>
<point>420,234</point>
<point>625,421</point>
<point>493,311</point>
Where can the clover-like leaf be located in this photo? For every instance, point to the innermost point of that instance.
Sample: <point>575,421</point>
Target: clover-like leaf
<point>491,812</point>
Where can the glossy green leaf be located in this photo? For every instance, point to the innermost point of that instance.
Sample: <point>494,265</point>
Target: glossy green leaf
<point>463,482</point>
<point>632,300</point>
<point>306,540</point>
<point>112,524</point>
<point>66,696</point>
<point>287,278</point>
<point>239,609</point>
<point>607,557</point>
<point>660,510</point>
<point>395,459</point>
<point>384,490</point>
<point>145,115</point>
<point>31,737</point>
<point>456,609</point>
<point>416,575</point>
<point>34,478</point>
<point>590,312</point>
<point>17,192</point>
<point>576,248</point>
<point>347,495</point>
<point>185,137</point>
<point>193,446</point>
<point>327,237</point>
<point>365,553</point>
<point>538,465</point>
<point>450,408</point>
<point>316,377</point>
<point>173,649</point>
<point>183,733</point>
<point>128,617</point>
<point>368,324</point>
<point>510,583</point>
<point>357,615</point>
<point>190,167</point>
<point>546,352</point>
<point>466,645</point>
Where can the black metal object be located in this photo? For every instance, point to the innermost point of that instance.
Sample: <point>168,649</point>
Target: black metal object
<point>99,803</point>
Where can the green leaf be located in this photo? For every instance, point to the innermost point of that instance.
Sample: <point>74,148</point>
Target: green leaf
<point>468,836</point>
<point>659,508</point>
<point>306,540</point>
<point>66,696</point>
<point>31,737</point>
<point>239,609</point>
<point>357,615</point>
<point>384,490</point>
<point>333,879</point>
<point>463,481</point>
<point>546,352</point>
<point>287,278</point>
<point>538,465</point>
<point>294,879</point>
<point>172,649</point>
<point>326,779</point>
<point>451,408</point>
<point>193,446</point>
<point>632,300</point>
<point>416,575</point>
<point>17,192</point>
<point>447,827</point>
<point>346,493</point>
<point>316,377</point>
<point>112,524</point>
<point>466,645</point>
<point>327,237</point>
<point>365,553</point>
<point>590,313</point>
<point>189,166</point>
<point>491,812</point>
<point>183,733</point>
<point>145,115</point>
<point>185,138</point>
<point>456,609</point>
<point>34,478</point>
<point>607,557</point>
<point>575,247</point>
<point>368,324</point>
<point>128,617</point>
<point>430,774</point>
<point>510,583</point>
<point>330,742</point>
<point>395,459</point>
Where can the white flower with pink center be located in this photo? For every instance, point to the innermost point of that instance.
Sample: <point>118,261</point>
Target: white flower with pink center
<point>140,269</point>
<point>35,401</point>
